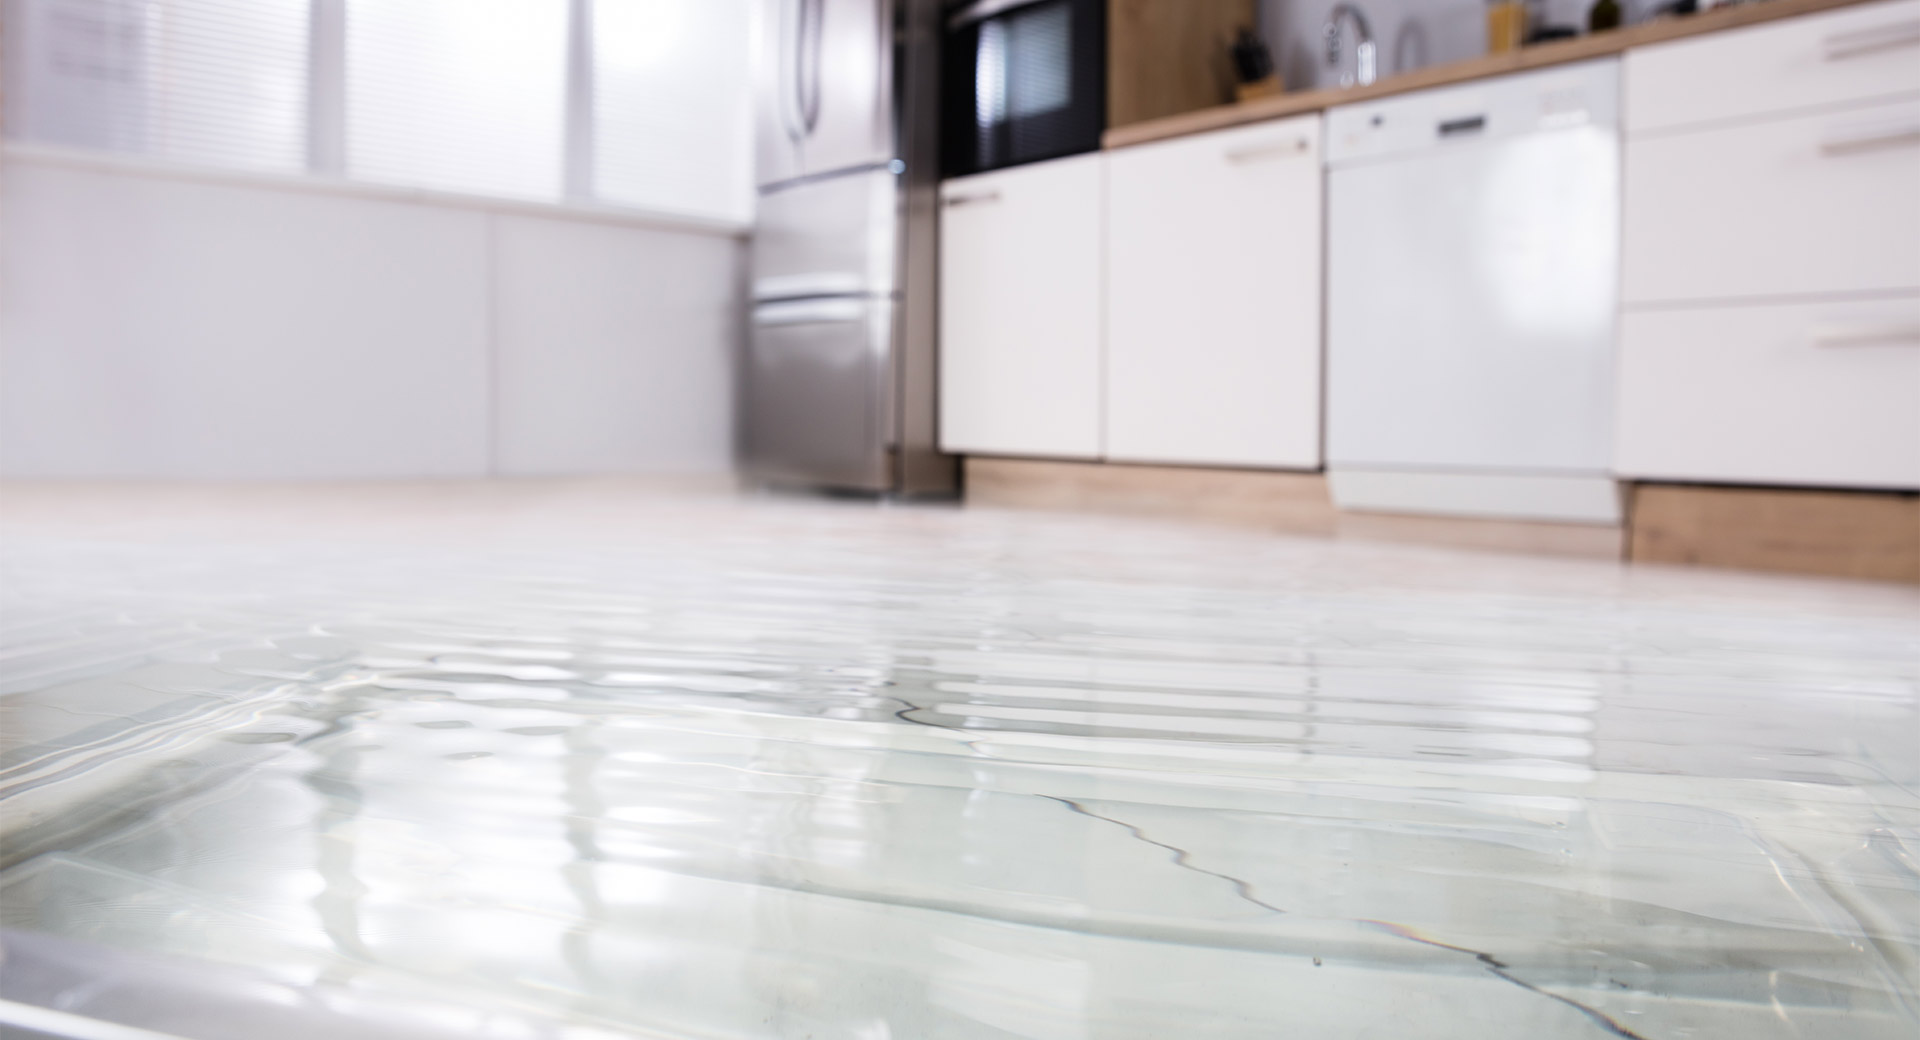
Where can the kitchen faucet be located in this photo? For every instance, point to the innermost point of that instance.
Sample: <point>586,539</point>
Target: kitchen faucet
<point>1363,50</point>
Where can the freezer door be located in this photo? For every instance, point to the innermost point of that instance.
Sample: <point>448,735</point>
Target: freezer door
<point>824,99</point>
<point>817,393</point>
<point>830,237</point>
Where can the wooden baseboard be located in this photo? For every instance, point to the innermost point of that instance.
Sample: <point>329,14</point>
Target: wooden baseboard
<point>1528,537</point>
<point>1835,533</point>
<point>1847,534</point>
<point>1271,500</point>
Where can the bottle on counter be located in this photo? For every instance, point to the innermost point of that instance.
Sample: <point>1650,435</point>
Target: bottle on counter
<point>1506,25</point>
<point>1605,15</point>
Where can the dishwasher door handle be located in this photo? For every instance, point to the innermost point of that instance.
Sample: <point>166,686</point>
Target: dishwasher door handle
<point>1463,126</point>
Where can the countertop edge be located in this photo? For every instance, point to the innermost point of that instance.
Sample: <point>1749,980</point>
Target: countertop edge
<point>1560,52</point>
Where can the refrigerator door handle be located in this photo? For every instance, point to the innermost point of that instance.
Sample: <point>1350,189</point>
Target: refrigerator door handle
<point>811,312</point>
<point>811,284</point>
<point>799,79</point>
<point>788,66</point>
<point>806,65</point>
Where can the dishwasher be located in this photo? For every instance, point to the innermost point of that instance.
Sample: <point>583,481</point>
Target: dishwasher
<point>1472,285</point>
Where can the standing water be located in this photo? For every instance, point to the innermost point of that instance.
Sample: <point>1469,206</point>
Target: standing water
<point>796,770</point>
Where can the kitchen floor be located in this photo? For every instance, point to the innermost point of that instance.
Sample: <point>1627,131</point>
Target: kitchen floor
<point>592,759</point>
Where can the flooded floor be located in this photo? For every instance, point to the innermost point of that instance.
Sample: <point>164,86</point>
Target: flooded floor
<point>571,761</point>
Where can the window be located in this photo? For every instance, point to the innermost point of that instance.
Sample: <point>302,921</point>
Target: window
<point>641,103</point>
<point>221,82</point>
<point>462,95</point>
<point>669,70</point>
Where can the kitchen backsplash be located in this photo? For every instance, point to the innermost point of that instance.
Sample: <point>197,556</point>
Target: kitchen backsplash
<point>1410,33</point>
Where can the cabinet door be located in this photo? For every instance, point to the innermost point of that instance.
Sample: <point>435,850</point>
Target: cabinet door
<point>1020,278</point>
<point>1824,203</point>
<point>1213,299</point>
<point>1810,393</point>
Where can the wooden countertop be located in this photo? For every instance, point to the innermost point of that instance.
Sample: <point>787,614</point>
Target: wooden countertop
<point>1537,56</point>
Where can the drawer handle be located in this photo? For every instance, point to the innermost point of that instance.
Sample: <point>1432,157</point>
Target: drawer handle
<point>1868,335</point>
<point>968,200</point>
<point>1866,41</point>
<point>1271,150</point>
<point>1871,140</point>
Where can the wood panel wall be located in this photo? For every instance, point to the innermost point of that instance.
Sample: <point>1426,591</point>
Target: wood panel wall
<point>1165,57</point>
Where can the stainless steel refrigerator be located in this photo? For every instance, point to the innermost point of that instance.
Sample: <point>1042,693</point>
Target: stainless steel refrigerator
<point>838,386</point>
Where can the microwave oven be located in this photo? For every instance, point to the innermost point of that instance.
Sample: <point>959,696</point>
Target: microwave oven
<point>1021,81</point>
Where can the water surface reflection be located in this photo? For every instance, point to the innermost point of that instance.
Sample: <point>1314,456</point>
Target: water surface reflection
<point>813,772</point>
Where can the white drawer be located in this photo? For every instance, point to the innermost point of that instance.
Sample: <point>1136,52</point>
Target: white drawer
<point>1823,394</point>
<point>1850,55</point>
<point>1811,204</point>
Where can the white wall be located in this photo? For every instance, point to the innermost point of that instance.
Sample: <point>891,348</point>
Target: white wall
<point>1411,34</point>
<point>615,347</point>
<point>154,324</point>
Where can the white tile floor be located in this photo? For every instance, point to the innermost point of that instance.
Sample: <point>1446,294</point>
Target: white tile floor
<point>578,759</point>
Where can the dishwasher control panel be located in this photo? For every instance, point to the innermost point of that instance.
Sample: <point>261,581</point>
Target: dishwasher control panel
<point>1582,94</point>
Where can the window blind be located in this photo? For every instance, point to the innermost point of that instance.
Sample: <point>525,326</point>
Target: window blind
<point>671,106</point>
<point>221,82</point>
<point>642,103</point>
<point>460,95</point>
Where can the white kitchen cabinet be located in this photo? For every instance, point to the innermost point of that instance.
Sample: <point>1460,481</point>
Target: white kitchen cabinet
<point>1770,267</point>
<point>1846,56</point>
<point>1213,298</point>
<point>1803,393</point>
<point>1020,310</point>
<point>1822,203</point>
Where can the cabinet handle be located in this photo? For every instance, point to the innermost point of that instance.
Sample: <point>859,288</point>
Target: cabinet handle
<point>1865,41</point>
<point>968,200</point>
<point>1872,140</point>
<point>1868,335</point>
<point>1270,150</point>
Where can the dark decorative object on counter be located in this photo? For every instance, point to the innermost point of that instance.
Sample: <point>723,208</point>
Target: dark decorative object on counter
<point>1253,73</point>
<point>1252,62</point>
<point>1544,33</point>
<point>1605,15</point>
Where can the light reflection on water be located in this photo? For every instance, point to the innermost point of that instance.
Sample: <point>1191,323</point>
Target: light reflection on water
<point>830,773</point>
